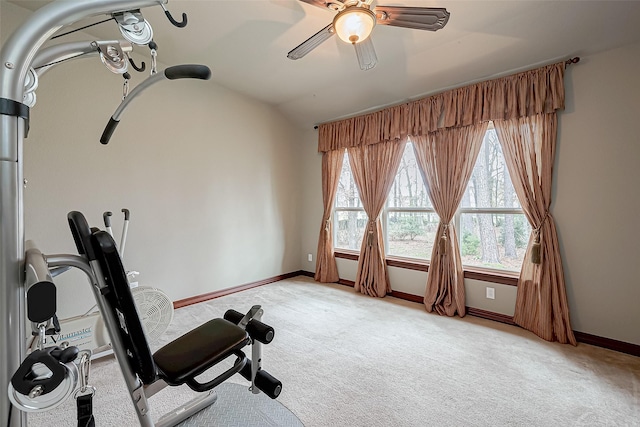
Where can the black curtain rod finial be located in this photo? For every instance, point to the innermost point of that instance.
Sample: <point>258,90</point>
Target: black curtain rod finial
<point>573,60</point>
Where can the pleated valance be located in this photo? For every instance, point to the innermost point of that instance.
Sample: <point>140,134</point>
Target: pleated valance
<point>519,95</point>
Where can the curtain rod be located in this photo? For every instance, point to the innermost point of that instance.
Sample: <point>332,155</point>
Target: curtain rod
<point>568,62</point>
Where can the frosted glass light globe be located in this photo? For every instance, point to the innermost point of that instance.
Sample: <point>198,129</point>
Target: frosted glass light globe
<point>354,25</point>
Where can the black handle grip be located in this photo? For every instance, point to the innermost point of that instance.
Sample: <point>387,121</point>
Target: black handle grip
<point>268,384</point>
<point>188,71</point>
<point>65,355</point>
<point>41,302</point>
<point>246,370</point>
<point>126,214</point>
<point>255,328</point>
<point>233,316</point>
<point>107,218</point>
<point>108,131</point>
<point>261,332</point>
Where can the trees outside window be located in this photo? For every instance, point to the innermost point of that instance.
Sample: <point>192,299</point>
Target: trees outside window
<point>349,217</point>
<point>410,219</point>
<point>492,228</point>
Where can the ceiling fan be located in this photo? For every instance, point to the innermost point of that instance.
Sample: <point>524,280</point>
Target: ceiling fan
<point>355,20</point>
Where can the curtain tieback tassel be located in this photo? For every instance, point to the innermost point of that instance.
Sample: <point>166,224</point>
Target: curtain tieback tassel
<point>370,234</point>
<point>535,248</point>
<point>327,225</point>
<point>444,240</point>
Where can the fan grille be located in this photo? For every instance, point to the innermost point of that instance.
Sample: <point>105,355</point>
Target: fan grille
<point>155,310</point>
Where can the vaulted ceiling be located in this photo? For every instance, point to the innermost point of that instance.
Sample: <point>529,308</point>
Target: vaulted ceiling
<point>245,43</point>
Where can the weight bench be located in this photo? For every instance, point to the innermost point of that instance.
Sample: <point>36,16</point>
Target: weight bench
<point>182,360</point>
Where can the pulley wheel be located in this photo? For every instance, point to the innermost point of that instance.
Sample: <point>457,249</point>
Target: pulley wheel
<point>114,58</point>
<point>139,33</point>
<point>49,400</point>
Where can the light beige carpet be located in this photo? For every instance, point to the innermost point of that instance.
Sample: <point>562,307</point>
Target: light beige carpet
<point>350,360</point>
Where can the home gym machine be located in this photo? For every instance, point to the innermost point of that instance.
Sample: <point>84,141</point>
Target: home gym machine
<point>49,375</point>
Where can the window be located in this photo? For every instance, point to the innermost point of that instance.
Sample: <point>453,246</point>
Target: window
<point>411,222</point>
<point>349,217</point>
<point>491,226</point>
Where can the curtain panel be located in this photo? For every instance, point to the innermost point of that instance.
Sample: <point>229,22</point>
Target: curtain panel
<point>446,159</point>
<point>528,145</point>
<point>520,95</point>
<point>374,168</point>
<point>326,268</point>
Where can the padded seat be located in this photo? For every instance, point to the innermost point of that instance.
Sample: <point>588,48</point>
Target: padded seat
<point>199,349</point>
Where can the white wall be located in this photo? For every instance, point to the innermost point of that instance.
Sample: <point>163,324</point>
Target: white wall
<point>597,193</point>
<point>596,202</point>
<point>210,177</point>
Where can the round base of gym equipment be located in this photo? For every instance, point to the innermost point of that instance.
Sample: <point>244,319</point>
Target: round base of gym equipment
<point>236,406</point>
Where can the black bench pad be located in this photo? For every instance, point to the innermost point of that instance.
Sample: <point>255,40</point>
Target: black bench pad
<point>198,350</point>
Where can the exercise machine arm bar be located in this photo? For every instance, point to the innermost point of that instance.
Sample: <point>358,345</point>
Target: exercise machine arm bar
<point>49,57</point>
<point>190,71</point>
<point>69,260</point>
<point>20,49</point>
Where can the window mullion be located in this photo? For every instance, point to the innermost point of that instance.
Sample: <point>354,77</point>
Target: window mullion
<point>456,225</point>
<point>385,227</point>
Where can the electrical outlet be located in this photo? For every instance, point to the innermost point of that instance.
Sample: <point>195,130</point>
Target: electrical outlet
<point>491,293</point>
<point>309,257</point>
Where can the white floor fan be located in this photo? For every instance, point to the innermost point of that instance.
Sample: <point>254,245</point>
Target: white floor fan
<point>88,331</point>
<point>155,310</point>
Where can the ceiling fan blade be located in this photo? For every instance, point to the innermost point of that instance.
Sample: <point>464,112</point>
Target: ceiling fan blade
<point>327,4</point>
<point>421,18</point>
<point>312,42</point>
<point>366,54</point>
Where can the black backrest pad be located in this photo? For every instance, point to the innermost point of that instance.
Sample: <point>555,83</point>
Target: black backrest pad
<point>121,303</point>
<point>81,234</point>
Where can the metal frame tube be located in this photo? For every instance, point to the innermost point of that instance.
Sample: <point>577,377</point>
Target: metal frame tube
<point>12,296</point>
<point>36,269</point>
<point>67,260</point>
<point>16,57</point>
<point>49,57</point>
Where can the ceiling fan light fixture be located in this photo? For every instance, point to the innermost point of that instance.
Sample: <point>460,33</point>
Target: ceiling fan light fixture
<point>354,24</point>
